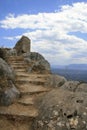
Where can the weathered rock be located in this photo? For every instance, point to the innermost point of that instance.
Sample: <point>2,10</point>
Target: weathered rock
<point>63,110</point>
<point>82,87</point>
<point>12,52</point>
<point>71,85</point>
<point>75,86</point>
<point>9,95</point>
<point>8,92</point>
<point>37,63</point>
<point>5,70</point>
<point>23,45</point>
<point>55,80</point>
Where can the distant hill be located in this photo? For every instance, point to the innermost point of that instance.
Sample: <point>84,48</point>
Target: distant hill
<point>77,66</point>
<point>72,66</point>
<point>72,71</point>
<point>58,67</point>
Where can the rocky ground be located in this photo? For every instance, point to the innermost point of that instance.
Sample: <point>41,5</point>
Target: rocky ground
<point>31,98</point>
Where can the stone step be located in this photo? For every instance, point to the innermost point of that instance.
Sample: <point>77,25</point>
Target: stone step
<point>31,75</point>
<point>21,70</point>
<point>27,100</point>
<point>18,110</point>
<point>31,78</point>
<point>16,58</point>
<point>18,63</point>
<point>15,124</point>
<point>32,89</point>
<point>22,74</point>
<point>19,67</point>
<point>37,82</point>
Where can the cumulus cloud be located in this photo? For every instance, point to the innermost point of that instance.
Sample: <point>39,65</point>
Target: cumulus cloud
<point>50,32</point>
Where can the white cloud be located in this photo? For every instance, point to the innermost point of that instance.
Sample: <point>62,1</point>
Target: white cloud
<point>50,32</point>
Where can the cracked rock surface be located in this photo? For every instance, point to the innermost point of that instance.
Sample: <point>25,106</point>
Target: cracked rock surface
<point>62,110</point>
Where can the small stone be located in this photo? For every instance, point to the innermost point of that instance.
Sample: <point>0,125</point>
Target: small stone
<point>84,113</point>
<point>55,113</point>
<point>58,118</point>
<point>50,125</point>
<point>46,122</point>
<point>60,124</point>
<point>67,124</point>
<point>40,123</point>
<point>73,123</point>
<point>84,122</point>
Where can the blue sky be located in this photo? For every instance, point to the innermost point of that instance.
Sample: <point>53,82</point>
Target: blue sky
<point>57,28</point>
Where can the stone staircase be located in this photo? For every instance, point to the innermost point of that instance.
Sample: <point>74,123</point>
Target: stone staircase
<point>31,86</point>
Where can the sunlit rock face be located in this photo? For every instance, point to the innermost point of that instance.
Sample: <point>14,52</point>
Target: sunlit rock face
<point>23,45</point>
<point>37,63</point>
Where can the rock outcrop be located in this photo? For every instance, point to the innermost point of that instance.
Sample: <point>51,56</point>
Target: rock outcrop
<point>62,110</point>
<point>55,81</point>
<point>23,45</point>
<point>8,91</point>
<point>36,99</point>
<point>12,52</point>
<point>37,62</point>
<point>6,71</point>
<point>9,95</point>
<point>71,85</point>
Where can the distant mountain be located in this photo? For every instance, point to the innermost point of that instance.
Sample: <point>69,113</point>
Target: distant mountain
<point>77,66</point>
<point>72,72</point>
<point>72,66</point>
<point>58,66</point>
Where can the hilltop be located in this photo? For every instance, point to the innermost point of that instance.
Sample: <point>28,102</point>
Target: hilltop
<point>32,98</point>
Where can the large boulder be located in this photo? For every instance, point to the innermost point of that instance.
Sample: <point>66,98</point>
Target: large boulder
<point>62,110</point>
<point>23,45</point>
<point>75,86</point>
<point>37,63</point>
<point>8,91</point>
<point>9,95</point>
<point>71,85</point>
<point>6,70</point>
<point>82,87</point>
<point>55,81</point>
